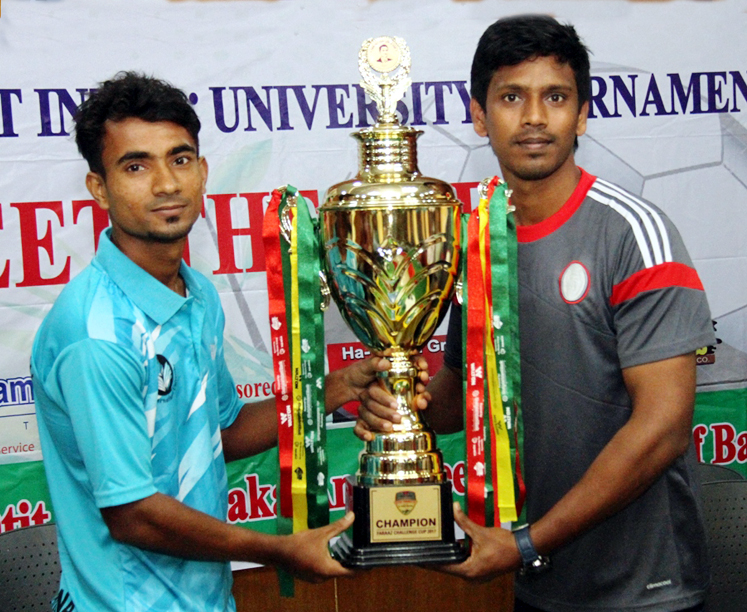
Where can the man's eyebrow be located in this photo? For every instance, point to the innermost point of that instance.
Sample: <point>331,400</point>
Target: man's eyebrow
<point>134,155</point>
<point>130,155</point>
<point>185,148</point>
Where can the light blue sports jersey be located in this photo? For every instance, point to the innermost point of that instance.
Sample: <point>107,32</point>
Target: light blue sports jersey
<point>132,392</point>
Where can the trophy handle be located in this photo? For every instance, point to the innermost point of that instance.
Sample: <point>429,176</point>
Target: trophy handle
<point>458,292</point>
<point>286,221</point>
<point>286,231</point>
<point>326,293</point>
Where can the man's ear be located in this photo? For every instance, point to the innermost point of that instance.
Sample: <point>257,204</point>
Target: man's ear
<point>478,118</point>
<point>204,171</point>
<point>583,114</point>
<point>96,186</point>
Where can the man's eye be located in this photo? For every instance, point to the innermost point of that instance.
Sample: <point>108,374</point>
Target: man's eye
<point>511,97</point>
<point>134,168</point>
<point>557,97</point>
<point>182,160</point>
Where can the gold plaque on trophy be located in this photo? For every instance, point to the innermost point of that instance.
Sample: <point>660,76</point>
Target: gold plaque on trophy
<point>391,243</point>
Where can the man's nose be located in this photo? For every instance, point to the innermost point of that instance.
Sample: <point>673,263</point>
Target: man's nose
<point>535,112</point>
<point>165,180</point>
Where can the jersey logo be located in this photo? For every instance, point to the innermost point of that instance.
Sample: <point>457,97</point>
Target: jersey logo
<point>574,283</point>
<point>165,376</point>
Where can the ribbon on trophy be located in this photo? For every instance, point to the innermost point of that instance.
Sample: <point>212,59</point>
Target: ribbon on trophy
<point>291,244</point>
<point>491,360</point>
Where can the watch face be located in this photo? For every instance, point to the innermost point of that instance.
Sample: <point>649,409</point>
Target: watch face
<point>539,565</point>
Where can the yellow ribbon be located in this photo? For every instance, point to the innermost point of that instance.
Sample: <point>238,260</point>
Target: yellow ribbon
<point>298,488</point>
<point>503,493</point>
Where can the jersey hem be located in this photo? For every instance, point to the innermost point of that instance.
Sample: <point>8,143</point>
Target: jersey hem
<point>673,605</point>
<point>126,496</point>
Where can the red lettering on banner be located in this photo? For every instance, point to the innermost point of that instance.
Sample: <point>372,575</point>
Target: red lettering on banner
<point>456,476</point>
<point>237,512</point>
<point>464,194</point>
<point>340,493</point>
<point>250,390</point>
<point>699,434</point>
<point>99,218</point>
<point>20,515</point>
<point>226,232</point>
<point>5,276</point>
<point>728,447</point>
<point>260,506</point>
<point>40,515</point>
<point>31,243</point>
<point>255,503</point>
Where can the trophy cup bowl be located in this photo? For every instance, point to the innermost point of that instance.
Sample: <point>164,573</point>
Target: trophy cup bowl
<point>391,244</point>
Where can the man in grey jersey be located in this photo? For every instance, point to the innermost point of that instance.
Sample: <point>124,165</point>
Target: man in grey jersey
<point>611,312</point>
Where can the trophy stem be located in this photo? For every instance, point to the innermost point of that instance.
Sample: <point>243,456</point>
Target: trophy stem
<point>400,382</point>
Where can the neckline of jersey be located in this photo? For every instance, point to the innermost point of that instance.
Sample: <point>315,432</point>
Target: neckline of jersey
<point>530,233</point>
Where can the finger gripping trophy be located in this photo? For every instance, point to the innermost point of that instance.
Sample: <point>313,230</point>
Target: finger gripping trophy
<point>391,244</point>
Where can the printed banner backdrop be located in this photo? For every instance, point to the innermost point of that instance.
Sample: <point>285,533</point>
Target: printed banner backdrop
<point>276,87</point>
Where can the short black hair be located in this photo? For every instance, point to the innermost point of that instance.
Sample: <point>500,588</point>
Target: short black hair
<point>512,40</point>
<point>129,94</point>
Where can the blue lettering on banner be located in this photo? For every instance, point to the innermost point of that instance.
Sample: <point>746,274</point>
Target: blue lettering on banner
<point>66,107</point>
<point>335,106</point>
<point>6,110</point>
<point>696,93</point>
<point>16,391</point>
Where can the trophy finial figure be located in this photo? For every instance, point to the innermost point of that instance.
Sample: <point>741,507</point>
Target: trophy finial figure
<point>384,64</point>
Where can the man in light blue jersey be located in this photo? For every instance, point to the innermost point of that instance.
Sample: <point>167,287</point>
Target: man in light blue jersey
<point>138,412</point>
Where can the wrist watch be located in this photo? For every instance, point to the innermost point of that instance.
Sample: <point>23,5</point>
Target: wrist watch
<point>532,561</point>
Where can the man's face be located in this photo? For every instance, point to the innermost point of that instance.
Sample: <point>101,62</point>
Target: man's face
<point>154,180</point>
<point>532,118</point>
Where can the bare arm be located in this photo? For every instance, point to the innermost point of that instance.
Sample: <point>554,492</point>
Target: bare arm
<point>162,524</point>
<point>255,428</point>
<point>658,431</point>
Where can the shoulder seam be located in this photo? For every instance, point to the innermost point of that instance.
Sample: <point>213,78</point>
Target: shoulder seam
<point>645,221</point>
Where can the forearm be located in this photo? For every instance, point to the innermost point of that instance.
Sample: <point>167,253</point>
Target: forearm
<point>339,390</point>
<point>657,433</point>
<point>162,524</point>
<point>255,430</point>
<point>630,463</point>
<point>445,412</point>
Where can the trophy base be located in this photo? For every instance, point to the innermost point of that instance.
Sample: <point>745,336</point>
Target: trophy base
<point>371,542</point>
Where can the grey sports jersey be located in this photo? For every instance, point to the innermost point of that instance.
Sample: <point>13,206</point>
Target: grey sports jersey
<point>604,284</point>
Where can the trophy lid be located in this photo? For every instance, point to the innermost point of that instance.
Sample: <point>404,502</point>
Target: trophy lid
<point>388,173</point>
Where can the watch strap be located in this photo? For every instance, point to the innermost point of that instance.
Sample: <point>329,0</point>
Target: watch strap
<point>532,561</point>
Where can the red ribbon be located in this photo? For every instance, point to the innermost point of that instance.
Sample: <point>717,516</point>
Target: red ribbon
<point>475,376</point>
<point>280,350</point>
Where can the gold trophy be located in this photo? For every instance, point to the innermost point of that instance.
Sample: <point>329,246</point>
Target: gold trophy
<point>391,244</point>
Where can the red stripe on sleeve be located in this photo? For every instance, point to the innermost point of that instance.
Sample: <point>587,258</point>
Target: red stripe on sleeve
<point>671,274</point>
